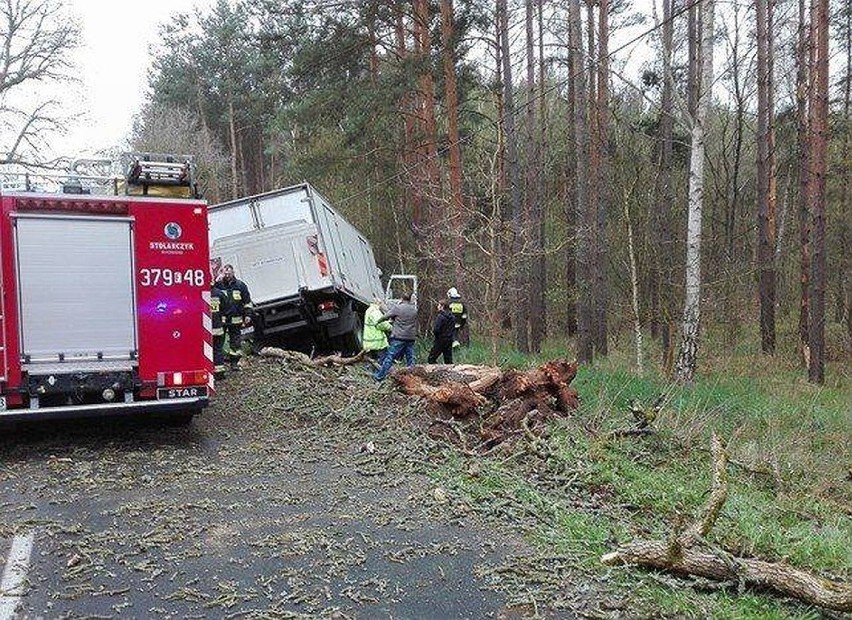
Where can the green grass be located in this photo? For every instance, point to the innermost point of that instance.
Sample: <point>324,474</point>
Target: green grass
<point>789,491</point>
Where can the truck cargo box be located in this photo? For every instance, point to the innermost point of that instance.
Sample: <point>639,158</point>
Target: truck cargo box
<point>309,270</point>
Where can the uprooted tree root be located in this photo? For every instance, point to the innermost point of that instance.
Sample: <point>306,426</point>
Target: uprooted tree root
<point>686,553</point>
<point>485,406</point>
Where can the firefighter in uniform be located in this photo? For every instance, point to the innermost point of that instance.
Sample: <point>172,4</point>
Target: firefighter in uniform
<point>218,304</point>
<point>236,312</point>
<point>459,310</point>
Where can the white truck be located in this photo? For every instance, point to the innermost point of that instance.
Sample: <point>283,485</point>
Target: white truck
<point>311,274</point>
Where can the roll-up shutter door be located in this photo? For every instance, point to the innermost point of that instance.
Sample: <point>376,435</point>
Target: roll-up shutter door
<point>75,288</point>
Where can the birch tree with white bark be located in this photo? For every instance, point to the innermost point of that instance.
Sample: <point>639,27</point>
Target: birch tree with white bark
<point>687,359</point>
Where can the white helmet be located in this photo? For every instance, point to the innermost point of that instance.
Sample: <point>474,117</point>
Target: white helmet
<point>453,293</point>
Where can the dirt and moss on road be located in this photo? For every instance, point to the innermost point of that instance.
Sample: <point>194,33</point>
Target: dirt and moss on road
<point>299,492</point>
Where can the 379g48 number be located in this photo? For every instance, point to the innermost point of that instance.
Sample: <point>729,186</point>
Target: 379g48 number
<point>172,277</point>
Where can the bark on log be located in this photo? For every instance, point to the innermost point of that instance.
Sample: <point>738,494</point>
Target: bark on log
<point>298,357</point>
<point>534,387</point>
<point>512,405</point>
<point>459,400</point>
<point>782,578</point>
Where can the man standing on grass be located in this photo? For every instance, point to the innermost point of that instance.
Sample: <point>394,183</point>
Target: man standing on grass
<point>403,334</point>
<point>459,310</point>
<point>218,308</point>
<point>444,332</point>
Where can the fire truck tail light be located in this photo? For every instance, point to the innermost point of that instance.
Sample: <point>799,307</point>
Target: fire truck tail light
<point>327,306</point>
<point>186,377</point>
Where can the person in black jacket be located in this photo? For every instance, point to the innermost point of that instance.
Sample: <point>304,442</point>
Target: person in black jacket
<point>236,313</point>
<point>218,306</point>
<point>444,332</point>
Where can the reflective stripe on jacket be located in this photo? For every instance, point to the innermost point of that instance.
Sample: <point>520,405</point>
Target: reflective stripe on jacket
<point>460,312</point>
<point>217,302</point>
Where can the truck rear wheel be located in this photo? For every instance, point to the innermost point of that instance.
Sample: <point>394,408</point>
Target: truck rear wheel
<point>352,341</point>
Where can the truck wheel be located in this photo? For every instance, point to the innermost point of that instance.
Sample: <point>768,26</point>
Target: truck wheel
<point>352,341</point>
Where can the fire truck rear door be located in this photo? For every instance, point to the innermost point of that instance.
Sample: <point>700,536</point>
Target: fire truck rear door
<point>76,291</point>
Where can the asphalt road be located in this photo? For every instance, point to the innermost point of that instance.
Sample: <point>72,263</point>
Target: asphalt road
<point>256,510</point>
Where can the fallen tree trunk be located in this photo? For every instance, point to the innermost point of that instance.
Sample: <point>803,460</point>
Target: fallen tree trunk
<point>458,399</point>
<point>782,578</point>
<point>300,358</point>
<point>500,405</point>
<point>679,555</point>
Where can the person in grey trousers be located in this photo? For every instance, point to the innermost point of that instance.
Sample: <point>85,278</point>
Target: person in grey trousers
<point>403,334</point>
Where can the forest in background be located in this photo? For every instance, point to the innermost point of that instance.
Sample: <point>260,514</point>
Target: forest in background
<point>597,170</point>
<point>510,150</point>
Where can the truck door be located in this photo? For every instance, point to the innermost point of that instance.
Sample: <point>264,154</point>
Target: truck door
<point>76,291</point>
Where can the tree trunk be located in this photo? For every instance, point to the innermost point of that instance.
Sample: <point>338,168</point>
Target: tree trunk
<point>766,198</point>
<point>538,302</point>
<point>634,288</point>
<point>594,167</point>
<point>803,62</point>
<point>232,132</point>
<point>844,299</point>
<point>535,211</point>
<point>782,578</point>
<point>585,350</point>
<point>454,147</point>
<point>818,162</point>
<point>603,181</point>
<point>688,353</point>
<point>694,38</point>
<point>428,125</point>
<point>663,310</point>
<point>519,310</point>
<point>410,201</point>
<point>569,196</point>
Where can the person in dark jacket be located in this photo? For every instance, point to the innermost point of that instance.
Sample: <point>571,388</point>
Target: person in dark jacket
<point>459,310</point>
<point>218,304</point>
<point>444,333</point>
<point>236,313</point>
<point>403,316</point>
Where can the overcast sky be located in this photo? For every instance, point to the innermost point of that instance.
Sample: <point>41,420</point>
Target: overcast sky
<point>113,64</point>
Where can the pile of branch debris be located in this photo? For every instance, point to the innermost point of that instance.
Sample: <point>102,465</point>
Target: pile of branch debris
<point>476,408</point>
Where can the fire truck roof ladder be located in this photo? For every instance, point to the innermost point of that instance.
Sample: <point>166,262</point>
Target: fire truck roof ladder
<point>158,170</point>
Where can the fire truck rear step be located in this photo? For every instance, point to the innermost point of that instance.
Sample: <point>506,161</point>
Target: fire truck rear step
<point>62,368</point>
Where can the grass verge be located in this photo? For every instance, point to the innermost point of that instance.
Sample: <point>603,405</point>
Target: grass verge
<point>790,487</point>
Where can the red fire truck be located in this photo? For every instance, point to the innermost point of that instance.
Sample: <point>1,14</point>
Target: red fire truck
<point>104,303</point>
